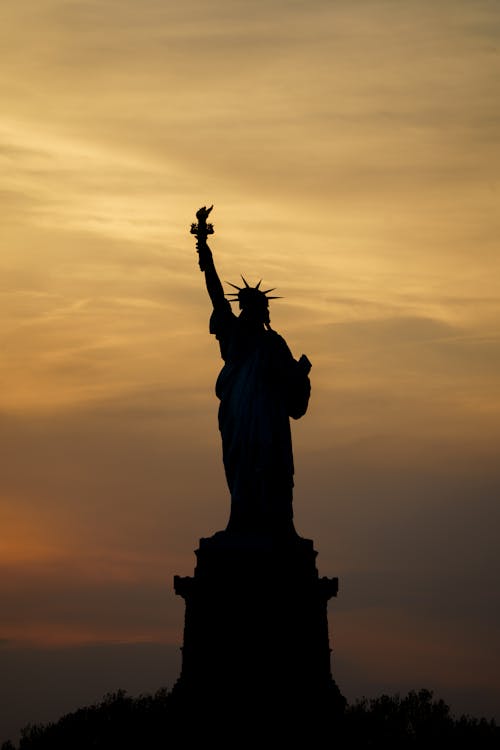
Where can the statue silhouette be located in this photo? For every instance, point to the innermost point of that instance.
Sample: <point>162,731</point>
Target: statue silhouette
<point>260,387</point>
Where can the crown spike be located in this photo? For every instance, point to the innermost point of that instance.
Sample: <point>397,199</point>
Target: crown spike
<point>239,288</point>
<point>246,282</point>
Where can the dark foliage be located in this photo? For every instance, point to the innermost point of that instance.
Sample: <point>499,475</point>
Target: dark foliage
<point>151,721</point>
<point>119,721</point>
<point>415,721</point>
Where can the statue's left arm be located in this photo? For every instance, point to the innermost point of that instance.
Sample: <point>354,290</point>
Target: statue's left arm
<point>293,377</point>
<point>299,388</point>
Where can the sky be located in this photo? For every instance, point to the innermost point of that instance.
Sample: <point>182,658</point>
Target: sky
<point>351,150</point>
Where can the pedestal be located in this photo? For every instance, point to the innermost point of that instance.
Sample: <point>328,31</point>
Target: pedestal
<point>256,644</point>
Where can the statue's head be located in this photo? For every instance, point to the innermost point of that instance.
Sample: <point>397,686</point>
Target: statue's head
<point>253,302</point>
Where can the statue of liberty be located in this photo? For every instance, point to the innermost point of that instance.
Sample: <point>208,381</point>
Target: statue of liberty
<point>260,387</point>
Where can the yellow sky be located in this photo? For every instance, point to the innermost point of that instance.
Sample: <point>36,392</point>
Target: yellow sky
<point>351,150</point>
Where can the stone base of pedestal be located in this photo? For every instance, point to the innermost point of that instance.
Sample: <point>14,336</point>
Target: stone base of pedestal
<point>256,642</point>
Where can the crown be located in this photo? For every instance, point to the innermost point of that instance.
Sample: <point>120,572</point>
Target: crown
<point>249,293</point>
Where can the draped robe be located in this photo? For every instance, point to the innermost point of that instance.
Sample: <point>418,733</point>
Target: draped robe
<point>260,387</point>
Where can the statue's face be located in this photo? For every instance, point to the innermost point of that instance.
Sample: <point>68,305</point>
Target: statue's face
<point>257,312</point>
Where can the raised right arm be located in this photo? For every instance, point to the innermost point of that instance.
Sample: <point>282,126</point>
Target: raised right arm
<point>205,258</point>
<point>206,263</point>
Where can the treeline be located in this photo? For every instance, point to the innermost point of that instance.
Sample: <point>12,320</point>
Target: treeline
<point>121,722</point>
